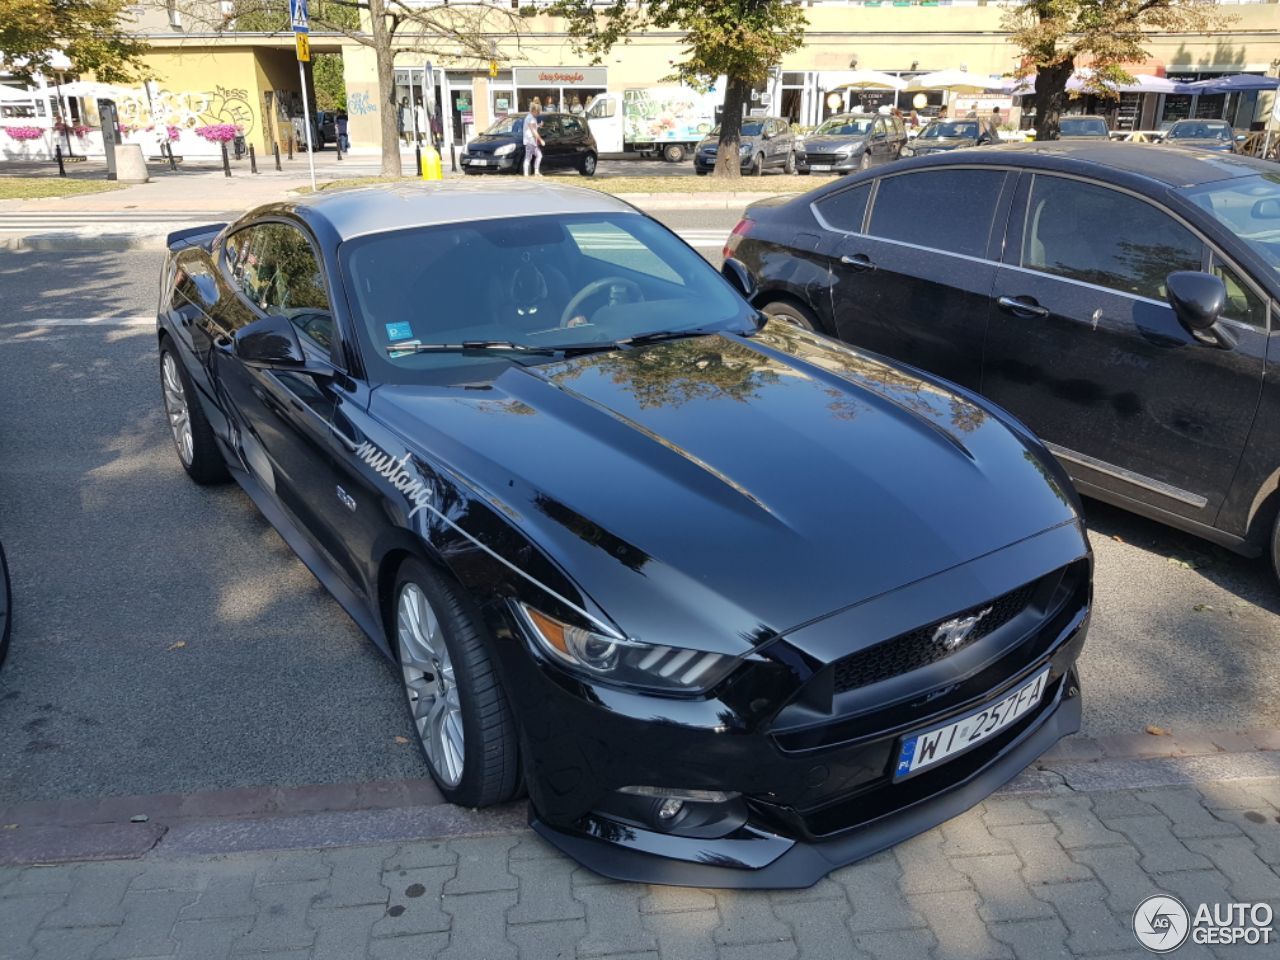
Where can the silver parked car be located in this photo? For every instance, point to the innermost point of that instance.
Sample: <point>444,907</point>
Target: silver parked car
<point>851,141</point>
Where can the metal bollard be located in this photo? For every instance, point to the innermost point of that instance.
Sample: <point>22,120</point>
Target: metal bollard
<point>226,161</point>
<point>337,145</point>
<point>275,150</point>
<point>453,157</point>
<point>417,159</point>
<point>253,160</point>
<point>57,153</point>
<point>173,162</point>
<point>291,148</point>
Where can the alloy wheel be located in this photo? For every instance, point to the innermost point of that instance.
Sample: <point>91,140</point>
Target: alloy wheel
<point>429,684</point>
<point>175,406</point>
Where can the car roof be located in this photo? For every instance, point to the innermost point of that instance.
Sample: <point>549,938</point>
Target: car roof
<point>365,210</point>
<point>1161,164</point>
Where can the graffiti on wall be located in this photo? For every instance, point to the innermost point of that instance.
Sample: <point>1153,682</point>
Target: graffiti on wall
<point>358,104</point>
<point>187,109</point>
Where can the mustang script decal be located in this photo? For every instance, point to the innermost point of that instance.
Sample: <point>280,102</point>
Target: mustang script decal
<point>417,490</point>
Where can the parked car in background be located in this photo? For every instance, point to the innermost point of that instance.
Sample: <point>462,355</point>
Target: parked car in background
<point>1083,128</point>
<point>766,143</point>
<point>1118,298</point>
<point>1214,135</point>
<point>850,141</point>
<point>517,434</point>
<point>943,135</point>
<point>324,129</point>
<point>500,149</point>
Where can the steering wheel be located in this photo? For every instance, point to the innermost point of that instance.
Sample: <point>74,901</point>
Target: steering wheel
<point>595,286</point>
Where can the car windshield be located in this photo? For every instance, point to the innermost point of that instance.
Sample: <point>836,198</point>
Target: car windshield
<point>584,281</point>
<point>950,128</point>
<point>1249,207</point>
<point>749,129</point>
<point>845,127</point>
<point>507,125</point>
<point>1198,130</point>
<point>1082,127</point>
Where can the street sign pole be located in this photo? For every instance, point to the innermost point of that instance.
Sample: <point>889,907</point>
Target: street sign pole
<point>301,28</point>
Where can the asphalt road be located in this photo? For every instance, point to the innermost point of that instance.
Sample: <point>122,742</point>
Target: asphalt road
<point>165,639</point>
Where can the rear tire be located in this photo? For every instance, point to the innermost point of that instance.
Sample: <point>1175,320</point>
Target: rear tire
<point>193,437</point>
<point>673,152</point>
<point>788,312</point>
<point>1275,547</point>
<point>588,167</point>
<point>456,704</point>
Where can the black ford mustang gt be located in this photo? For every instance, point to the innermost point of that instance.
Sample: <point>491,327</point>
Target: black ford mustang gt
<point>736,603</point>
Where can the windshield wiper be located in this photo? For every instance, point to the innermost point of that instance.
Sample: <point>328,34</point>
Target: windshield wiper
<point>658,335</point>
<point>469,346</point>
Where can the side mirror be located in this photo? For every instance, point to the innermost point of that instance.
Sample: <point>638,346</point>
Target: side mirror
<point>1267,209</point>
<point>1198,300</point>
<point>740,277</point>
<point>270,343</point>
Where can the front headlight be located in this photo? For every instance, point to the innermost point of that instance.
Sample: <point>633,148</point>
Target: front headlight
<point>847,149</point>
<point>744,148</point>
<point>669,669</point>
<point>505,151</point>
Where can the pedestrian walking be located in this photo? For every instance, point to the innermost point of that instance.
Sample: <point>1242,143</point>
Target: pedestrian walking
<point>340,121</point>
<point>533,140</point>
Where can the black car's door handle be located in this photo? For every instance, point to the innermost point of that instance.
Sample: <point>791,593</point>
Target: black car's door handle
<point>1022,306</point>
<point>859,261</point>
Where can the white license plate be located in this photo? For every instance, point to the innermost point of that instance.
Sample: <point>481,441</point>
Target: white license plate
<point>922,750</point>
<point>819,166</point>
<point>479,163</point>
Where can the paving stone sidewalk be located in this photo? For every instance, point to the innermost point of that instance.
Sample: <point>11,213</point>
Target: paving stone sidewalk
<point>1053,873</point>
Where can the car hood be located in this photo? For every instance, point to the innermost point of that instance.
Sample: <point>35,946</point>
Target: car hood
<point>942,143</point>
<point>486,143</point>
<point>1207,143</point>
<point>723,489</point>
<point>712,144</point>
<point>832,144</point>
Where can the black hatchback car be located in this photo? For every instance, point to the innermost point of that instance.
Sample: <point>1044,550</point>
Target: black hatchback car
<point>734,602</point>
<point>1118,298</point>
<point>568,145</point>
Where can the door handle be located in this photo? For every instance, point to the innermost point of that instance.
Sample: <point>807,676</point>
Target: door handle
<point>1022,308</point>
<point>859,261</point>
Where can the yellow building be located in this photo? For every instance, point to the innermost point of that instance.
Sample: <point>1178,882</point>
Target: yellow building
<point>252,79</point>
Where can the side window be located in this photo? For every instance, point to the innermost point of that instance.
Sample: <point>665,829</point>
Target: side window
<point>602,108</point>
<point>279,272</point>
<point>244,261</point>
<point>1243,305</point>
<point>947,210</point>
<point>549,127</point>
<point>571,126</point>
<point>877,130</point>
<point>1101,236</point>
<point>845,210</point>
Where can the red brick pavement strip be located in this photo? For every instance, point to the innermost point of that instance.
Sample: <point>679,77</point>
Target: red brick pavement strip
<point>85,829</point>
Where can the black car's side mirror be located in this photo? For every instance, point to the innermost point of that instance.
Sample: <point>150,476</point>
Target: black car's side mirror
<point>270,343</point>
<point>1266,209</point>
<point>1198,300</point>
<point>736,273</point>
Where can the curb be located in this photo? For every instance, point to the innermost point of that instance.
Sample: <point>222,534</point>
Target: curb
<point>76,243</point>
<point>338,815</point>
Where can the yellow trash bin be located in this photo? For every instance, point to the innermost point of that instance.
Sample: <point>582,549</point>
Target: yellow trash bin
<point>432,168</point>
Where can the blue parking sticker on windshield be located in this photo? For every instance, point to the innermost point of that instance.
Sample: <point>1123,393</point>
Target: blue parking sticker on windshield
<point>399,331</point>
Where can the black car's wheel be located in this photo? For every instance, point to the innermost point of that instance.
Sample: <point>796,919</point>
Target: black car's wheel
<point>790,313</point>
<point>461,716</point>
<point>757,165</point>
<point>192,435</point>
<point>700,172</point>
<point>1275,548</point>
<point>790,166</point>
<point>6,607</point>
<point>804,173</point>
<point>673,152</point>
<point>588,167</point>
<point>865,162</point>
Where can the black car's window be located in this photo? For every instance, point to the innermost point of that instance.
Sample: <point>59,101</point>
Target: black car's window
<point>1082,127</point>
<point>1199,130</point>
<point>1249,207</point>
<point>947,210</point>
<point>1102,236</point>
<point>845,210</point>
<point>950,128</point>
<point>275,267</point>
<point>549,126</point>
<point>1243,305</point>
<point>571,126</point>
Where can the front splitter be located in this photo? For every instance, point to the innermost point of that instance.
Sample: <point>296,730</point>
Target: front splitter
<point>798,864</point>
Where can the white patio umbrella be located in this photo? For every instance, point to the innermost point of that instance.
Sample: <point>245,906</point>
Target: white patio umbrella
<point>869,80</point>
<point>93,90</point>
<point>957,81</point>
<point>10,94</point>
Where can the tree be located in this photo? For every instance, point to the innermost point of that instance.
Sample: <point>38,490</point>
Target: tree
<point>1056,35</point>
<point>331,87</point>
<point>741,39</point>
<point>88,32</point>
<point>446,33</point>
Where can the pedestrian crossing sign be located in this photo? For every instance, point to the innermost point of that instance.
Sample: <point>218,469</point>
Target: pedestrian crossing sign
<point>304,47</point>
<point>298,17</point>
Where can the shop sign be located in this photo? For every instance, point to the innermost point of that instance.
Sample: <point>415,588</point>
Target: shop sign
<point>560,76</point>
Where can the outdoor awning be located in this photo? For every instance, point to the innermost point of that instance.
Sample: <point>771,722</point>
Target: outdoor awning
<point>1235,83</point>
<point>867,80</point>
<point>957,81</point>
<point>1079,83</point>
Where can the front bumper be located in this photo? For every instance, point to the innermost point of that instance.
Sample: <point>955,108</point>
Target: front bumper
<point>707,161</point>
<point>492,164</point>
<point>809,752</point>
<point>832,163</point>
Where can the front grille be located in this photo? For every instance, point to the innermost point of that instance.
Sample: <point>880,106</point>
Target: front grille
<point>919,648</point>
<point>826,157</point>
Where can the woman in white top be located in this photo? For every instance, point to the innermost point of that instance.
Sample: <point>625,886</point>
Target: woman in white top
<point>532,141</point>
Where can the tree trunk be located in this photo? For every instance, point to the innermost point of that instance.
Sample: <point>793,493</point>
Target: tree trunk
<point>386,60</point>
<point>728,162</point>
<point>1050,95</point>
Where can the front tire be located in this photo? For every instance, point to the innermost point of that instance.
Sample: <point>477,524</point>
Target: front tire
<point>790,313</point>
<point>193,437</point>
<point>459,712</point>
<point>864,163</point>
<point>790,166</point>
<point>1275,548</point>
<point>588,167</point>
<point>757,166</point>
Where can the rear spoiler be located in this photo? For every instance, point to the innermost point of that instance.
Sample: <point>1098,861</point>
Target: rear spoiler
<point>193,237</point>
